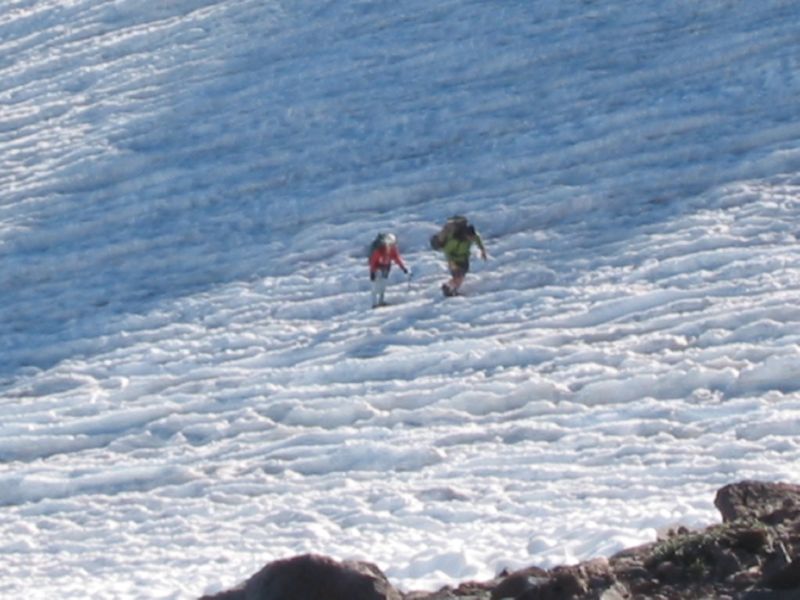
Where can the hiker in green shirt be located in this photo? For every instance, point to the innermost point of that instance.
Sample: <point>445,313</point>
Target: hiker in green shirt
<point>456,243</point>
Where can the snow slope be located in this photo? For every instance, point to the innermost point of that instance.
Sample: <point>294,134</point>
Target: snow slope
<point>191,381</point>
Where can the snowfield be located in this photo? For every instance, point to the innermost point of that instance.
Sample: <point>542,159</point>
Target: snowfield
<point>192,383</point>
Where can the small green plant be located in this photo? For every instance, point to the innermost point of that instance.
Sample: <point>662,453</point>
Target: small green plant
<point>695,550</point>
<point>684,548</point>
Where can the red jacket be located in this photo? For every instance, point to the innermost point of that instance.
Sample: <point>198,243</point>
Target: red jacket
<point>383,257</point>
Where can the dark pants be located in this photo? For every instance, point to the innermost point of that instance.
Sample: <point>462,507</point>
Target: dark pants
<point>458,269</point>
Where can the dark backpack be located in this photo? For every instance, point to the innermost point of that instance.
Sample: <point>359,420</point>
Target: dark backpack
<point>376,243</point>
<point>456,226</point>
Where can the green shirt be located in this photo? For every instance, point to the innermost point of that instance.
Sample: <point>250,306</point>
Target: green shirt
<point>459,250</point>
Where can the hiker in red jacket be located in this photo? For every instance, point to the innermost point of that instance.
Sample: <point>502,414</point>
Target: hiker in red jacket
<point>384,252</point>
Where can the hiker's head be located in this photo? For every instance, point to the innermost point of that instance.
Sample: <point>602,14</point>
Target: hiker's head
<point>470,231</point>
<point>389,240</point>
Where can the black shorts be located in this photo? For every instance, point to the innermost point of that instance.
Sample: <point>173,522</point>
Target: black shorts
<point>458,268</point>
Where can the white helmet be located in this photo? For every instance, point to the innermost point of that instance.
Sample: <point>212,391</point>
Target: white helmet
<point>389,240</point>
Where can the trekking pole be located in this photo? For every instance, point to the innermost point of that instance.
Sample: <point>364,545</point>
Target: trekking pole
<point>408,278</point>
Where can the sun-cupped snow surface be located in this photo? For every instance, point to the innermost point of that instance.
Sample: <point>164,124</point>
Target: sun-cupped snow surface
<point>192,381</point>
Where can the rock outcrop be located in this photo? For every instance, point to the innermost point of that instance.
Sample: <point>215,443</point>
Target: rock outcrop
<point>754,554</point>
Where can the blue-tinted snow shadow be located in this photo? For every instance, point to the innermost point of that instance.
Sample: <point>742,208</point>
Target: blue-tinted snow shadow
<point>212,148</point>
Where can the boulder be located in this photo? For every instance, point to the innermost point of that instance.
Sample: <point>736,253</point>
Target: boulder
<point>314,577</point>
<point>756,500</point>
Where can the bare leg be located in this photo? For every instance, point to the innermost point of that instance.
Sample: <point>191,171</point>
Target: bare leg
<point>455,283</point>
<point>457,275</point>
